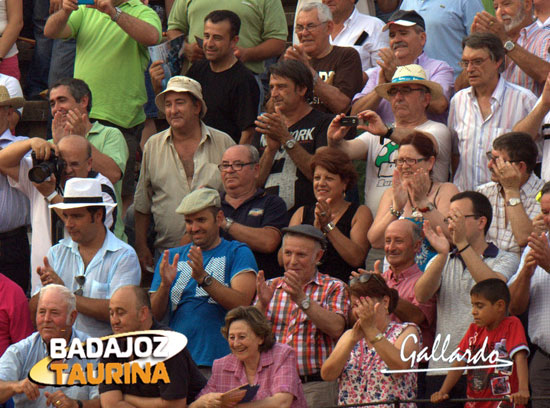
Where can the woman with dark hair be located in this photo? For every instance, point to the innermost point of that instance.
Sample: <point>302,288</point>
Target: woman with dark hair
<point>345,224</point>
<point>414,194</point>
<point>374,343</point>
<point>255,359</point>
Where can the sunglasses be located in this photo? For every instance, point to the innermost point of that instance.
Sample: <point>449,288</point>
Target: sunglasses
<point>365,277</point>
<point>80,281</point>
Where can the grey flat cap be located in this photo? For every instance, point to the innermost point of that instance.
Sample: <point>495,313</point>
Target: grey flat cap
<point>199,200</point>
<point>307,230</point>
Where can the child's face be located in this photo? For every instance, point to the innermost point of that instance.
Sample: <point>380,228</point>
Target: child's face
<point>485,313</point>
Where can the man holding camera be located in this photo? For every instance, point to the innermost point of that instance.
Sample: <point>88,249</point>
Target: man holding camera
<point>71,157</point>
<point>14,244</point>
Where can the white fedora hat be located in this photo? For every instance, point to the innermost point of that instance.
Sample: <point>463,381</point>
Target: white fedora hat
<point>410,74</point>
<point>82,192</point>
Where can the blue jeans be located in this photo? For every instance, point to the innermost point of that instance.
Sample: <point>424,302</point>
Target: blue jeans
<point>52,59</point>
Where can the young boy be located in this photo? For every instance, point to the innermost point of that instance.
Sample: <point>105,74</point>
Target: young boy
<point>490,299</point>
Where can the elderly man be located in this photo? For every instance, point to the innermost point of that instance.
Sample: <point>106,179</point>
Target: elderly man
<point>447,23</point>
<point>513,190</point>
<point>318,303</point>
<point>402,241</point>
<point>452,276</point>
<point>175,162</point>
<point>54,319</point>
<point>75,154</point>
<point>288,137</point>
<point>529,289</point>
<point>337,72</point>
<point>251,215</point>
<point>489,107</point>
<point>70,103</point>
<point>93,263</point>
<point>353,29</point>
<point>198,283</point>
<point>527,45</point>
<point>14,243</point>
<point>130,310</point>
<point>407,40</point>
<point>230,90</point>
<point>409,94</point>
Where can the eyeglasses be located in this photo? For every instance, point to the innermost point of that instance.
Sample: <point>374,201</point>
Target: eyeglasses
<point>448,219</point>
<point>491,156</point>
<point>409,160</point>
<point>476,62</point>
<point>403,90</point>
<point>365,277</point>
<point>237,166</point>
<point>80,281</point>
<point>309,28</point>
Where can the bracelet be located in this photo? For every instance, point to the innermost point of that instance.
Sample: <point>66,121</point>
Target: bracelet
<point>315,79</point>
<point>118,12</point>
<point>396,213</point>
<point>463,249</point>
<point>51,196</point>
<point>377,338</point>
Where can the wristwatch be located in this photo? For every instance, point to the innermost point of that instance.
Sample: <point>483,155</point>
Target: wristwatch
<point>513,201</point>
<point>391,128</point>
<point>118,12</point>
<point>509,45</point>
<point>228,223</point>
<point>79,403</point>
<point>207,281</point>
<point>329,227</point>
<point>289,144</point>
<point>305,304</point>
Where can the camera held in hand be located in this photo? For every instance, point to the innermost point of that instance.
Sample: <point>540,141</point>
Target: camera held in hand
<point>42,169</point>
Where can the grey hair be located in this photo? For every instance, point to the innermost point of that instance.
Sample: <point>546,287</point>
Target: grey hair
<point>65,293</point>
<point>253,154</point>
<point>323,12</point>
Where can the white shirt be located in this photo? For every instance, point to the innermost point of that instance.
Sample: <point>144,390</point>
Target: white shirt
<point>539,305</point>
<point>375,39</point>
<point>473,136</point>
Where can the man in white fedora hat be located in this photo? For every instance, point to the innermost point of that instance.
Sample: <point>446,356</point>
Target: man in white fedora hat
<point>74,159</point>
<point>409,94</point>
<point>92,263</point>
<point>175,162</point>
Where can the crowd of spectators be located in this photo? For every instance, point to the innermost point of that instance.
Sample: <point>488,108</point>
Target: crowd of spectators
<point>240,224</point>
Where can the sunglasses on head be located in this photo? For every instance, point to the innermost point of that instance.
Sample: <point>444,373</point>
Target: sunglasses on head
<point>365,277</point>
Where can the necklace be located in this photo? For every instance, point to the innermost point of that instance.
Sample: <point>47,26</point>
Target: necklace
<point>415,213</point>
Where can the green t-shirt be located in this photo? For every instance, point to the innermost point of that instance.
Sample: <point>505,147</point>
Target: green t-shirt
<point>260,20</point>
<point>112,63</point>
<point>111,142</point>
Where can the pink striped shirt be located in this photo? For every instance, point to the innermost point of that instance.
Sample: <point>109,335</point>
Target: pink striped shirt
<point>535,40</point>
<point>292,326</point>
<point>473,136</point>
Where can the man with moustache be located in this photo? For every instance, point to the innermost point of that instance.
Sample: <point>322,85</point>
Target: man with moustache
<point>407,40</point>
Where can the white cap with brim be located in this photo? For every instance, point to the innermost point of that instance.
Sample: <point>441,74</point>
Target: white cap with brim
<point>82,192</point>
<point>182,83</point>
